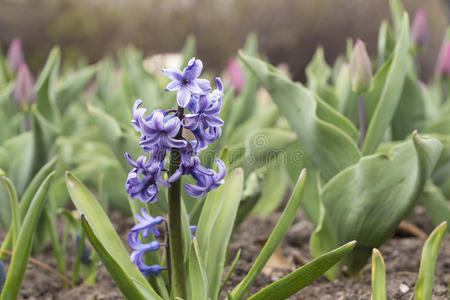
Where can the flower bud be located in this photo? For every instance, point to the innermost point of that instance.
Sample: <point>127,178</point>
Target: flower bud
<point>15,55</point>
<point>236,76</point>
<point>24,94</point>
<point>419,30</point>
<point>360,69</point>
<point>443,64</point>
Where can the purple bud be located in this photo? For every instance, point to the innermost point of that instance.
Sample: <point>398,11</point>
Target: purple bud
<point>236,75</point>
<point>443,64</point>
<point>24,93</point>
<point>360,68</point>
<point>419,30</point>
<point>15,55</point>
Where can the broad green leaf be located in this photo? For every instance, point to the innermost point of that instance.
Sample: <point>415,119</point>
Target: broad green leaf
<point>45,86</point>
<point>197,282</point>
<point>27,197</point>
<point>130,287</point>
<point>14,204</point>
<point>435,203</point>
<point>22,248</point>
<point>386,43</point>
<point>355,205</point>
<point>410,113</point>
<point>378,276</point>
<point>347,100</point>
<point>397,15</point>
<point>315,122</point>
<point>103,234</point>
<point>278,233</point>
<point>303,276</point>
<point>430,251</point>
<point>391,93</point>
<point>215,226</point>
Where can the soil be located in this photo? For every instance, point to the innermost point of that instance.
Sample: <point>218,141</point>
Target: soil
<point>401,254</point>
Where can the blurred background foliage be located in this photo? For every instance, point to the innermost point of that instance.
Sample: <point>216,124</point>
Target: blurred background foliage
<point>288,30</point>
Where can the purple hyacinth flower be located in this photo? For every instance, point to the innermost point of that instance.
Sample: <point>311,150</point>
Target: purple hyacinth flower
<point>15,56</point>
<point>158,130</point>
<point>443,64</point>
<point>206,182</point>
<point>24,93</point>
<point>189,165</point>
<point>146,224</point>
<point>419,29</point>
<point>142,180</point>
<point>187,82</point>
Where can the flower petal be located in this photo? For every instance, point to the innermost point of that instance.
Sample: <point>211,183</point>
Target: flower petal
<point>173,74</point>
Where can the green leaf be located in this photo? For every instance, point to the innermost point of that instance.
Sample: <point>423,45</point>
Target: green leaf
<point>45,89</point>
<point>436,204</point>
<point>318,71</point>
<point>386,43</point>
<point>424,283</point>
<point>315,122</point>
<point>355,205</point>
<point>278,233</point>
<point>303,276</point>
<point>378,276</point>
<point>189,50</point>
<point>230,271</point>
<point>397,15</point>
<point>14,204</point>
<point>215,226</point>
<point>131,288</point>
<point>410,113</point>
<point>391,93</point>
<point>197,281</point>
<point>103,236</point>
<point>22,249</point>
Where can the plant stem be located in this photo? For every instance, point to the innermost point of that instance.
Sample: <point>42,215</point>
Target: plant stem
<point>175,236</point>
<point>362,120</point>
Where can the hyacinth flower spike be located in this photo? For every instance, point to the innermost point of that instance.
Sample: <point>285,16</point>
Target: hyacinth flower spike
<point>161,132</point>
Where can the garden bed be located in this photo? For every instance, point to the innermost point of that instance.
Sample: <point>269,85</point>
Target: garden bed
<point>401,254</point>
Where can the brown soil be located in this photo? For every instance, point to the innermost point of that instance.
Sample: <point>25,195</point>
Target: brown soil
<point>401,255</point>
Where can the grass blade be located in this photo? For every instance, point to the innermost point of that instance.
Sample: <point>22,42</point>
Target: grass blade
<point>15,219</point>
<point>230,271</point>
<point>303,276</point>
<point>378,276</point>
<point>424,284</point>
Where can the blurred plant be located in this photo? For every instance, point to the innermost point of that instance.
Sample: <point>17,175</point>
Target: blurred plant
<point>2,276</point>
<point>236,76</point>
<point>24,94</point>
<point>419,30</point>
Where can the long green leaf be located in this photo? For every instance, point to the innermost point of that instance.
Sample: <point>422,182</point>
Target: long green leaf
<point>378,276</point>
<point>390,96</point>
<point>274,239</point>
<point>122,278</point>
<point>303,276</point>
<point>197,281</point>
<point>215,227</point>
<point>424,284</point>
<point>14,204</point>
<point>105,235</point>
<point>22,249</point>
<point>315,122</point>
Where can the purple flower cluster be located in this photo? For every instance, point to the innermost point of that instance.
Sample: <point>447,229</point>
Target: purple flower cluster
<point>161,133</point>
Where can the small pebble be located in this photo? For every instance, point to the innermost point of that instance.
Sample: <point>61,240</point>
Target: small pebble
<point>403,288</point>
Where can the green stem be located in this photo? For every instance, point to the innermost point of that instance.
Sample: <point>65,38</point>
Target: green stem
<point>174,220</point>
<point>362,120</point>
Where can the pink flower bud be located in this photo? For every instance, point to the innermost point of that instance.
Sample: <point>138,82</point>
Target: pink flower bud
<point>443,64</point>
<point>236,75</point>
<point>419,30</point>
<point>360,68</point>
<point>24,93</point>
<point>15,55</point>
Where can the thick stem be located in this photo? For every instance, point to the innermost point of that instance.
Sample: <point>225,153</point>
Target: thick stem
<point>362,120</point>
<point>175,236</point>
